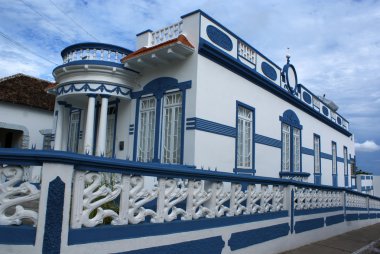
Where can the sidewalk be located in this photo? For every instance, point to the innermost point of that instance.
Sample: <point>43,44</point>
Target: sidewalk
<point>350,242</point>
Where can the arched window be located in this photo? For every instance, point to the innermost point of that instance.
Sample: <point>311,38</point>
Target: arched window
<point>291,158</point>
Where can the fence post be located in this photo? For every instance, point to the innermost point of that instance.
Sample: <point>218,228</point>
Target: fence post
<point>54,207</point>
<point>289,202</point>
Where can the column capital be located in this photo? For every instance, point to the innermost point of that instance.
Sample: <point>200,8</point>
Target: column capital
<point>105,96</point>
<point>92,95</point>
<point>62,103</point>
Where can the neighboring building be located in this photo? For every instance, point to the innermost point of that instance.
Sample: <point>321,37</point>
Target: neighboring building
<point>364,183</point>
<point>26,113</point>
<point>376,185</point>
<point>195,93</point>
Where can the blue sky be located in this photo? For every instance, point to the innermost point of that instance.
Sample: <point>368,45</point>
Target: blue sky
<point>335,45</point>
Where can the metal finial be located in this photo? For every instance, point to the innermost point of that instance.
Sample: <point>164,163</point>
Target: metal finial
<point>288,55</point>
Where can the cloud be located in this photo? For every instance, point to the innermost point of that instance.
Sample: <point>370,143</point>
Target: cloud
<point>367,146</point>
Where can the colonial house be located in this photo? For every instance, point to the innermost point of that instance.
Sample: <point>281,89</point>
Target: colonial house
<point>195,93</point>
<point>26,114</point>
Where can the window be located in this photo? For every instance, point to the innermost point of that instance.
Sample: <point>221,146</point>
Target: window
<point>334,158</point>
<point>146,130</point>
<point>345,155</point>
<point>285,147</point>
<point>46,145</point>
<point>291,144</point>
<point>172,119</point>
<point>244,138</point>
<point>74,131</point>
<point>111,121</point>
<point>317,154</point>
<point>296,150</point>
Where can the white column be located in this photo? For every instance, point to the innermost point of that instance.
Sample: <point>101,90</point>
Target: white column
<point>65,126</point>
<point>90,121</point>
<point>102,132</point>
<point>59,127</point>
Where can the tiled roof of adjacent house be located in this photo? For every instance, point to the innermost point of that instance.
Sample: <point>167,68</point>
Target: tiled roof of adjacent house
<point>26,90</point>
<point>180,39</point>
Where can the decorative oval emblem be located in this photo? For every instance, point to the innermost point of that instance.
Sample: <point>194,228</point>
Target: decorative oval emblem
<point>269,71</point>
<point>325,111</point>
<point>339,120</point>
<point>219,38</point>
<point>306,97</point>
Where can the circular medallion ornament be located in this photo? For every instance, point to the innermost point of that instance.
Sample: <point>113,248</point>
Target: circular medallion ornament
<point>290,76</point>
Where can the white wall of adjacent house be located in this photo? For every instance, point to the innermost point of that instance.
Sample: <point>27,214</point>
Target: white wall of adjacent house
<point>25,123</point>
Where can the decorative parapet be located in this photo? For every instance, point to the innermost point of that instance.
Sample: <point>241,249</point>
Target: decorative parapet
<point>94,51</point>
<point>166,33</point>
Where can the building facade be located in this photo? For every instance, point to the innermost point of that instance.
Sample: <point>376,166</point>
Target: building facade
<point>196,94</point>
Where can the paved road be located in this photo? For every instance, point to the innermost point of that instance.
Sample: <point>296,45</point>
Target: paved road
<point>346,243</point>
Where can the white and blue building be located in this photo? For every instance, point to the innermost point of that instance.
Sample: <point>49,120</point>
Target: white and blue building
<point>196,94</point>
<point>194,142</point>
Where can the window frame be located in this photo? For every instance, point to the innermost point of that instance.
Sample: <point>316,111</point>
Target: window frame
<point>317,157</point>
<point>334,163</point>
<point>164,125</point>
<point>150,132</point>
<point>241,169</point>
<point>69,148</point>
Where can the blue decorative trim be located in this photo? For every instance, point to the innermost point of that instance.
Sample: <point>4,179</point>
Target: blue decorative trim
<point>252,109</point>
<point>260,139</point>
<point>306,97</point>
<point>131,129</point>
<point>317,210</point>
<point>340,159</point>
<point>211,52</point>
<point>143,32</point>
<point>110,233</point>
<point>159,86</point>
<point>352,216</point>
<point>306,225</point>
<point>326,156</point>
<point>87,88</point>
<point>212,245</point>
<point>195,123</point>
<point>372,216</point>
<point>307,151</point>
<point>339,120</point>
<point>115,127</point>
<point>363,216</point>
<point>294,174</point>
<point>94,62</point>
<point>269,71</point>
<point>248,238</point>
<point>17,235</point>
<point>290,118</point>
<point>136,128</point>
<point>355,209</point>
<point>219,37</point>
<point>335,219</point>
<point>157,128</point>
<point>183,120</point>
<point>325,110</point>
<point>54,217</point>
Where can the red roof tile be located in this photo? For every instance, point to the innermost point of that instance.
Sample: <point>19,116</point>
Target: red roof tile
<point>181,39</point>
<point>26,90</point>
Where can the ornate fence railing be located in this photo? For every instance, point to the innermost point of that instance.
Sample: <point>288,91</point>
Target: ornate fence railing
<point>91,191</point>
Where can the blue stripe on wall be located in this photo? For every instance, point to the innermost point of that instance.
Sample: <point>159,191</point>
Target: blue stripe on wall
<point>17,235</point>
<point>326,156</point>
<point>306,225</point>
<point>250,237</point>
<point>308,151</point>
<point>204,246</point>
<point>196,123</point>
<point>335,219</point>
<point>260,139</point>
<point>111,233</point>
<point>340,159</point>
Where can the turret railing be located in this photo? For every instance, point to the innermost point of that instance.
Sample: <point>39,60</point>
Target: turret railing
<point>94,51</point>
<point>166,33</point>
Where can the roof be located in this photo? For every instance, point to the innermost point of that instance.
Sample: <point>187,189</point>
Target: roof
<point>26,90</point>
<point>181,39</point>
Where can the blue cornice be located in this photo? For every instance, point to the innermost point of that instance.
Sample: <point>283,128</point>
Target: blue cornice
<point>209,51</point>
<point>143,32</point>
<point>94,62</point>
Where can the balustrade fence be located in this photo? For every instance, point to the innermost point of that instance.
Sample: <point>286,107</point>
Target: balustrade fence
<point>81,191</point>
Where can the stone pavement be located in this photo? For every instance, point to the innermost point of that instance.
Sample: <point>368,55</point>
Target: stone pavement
<point>361,241</point>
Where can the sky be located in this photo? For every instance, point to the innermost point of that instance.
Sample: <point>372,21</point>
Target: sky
<point>334,45</point>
